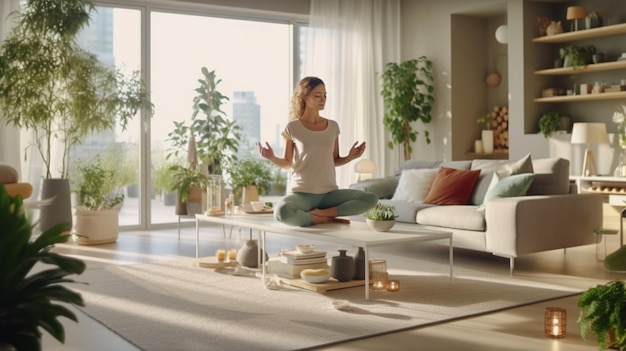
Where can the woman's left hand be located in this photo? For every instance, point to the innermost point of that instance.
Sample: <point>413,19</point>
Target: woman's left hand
<point>356,150</point>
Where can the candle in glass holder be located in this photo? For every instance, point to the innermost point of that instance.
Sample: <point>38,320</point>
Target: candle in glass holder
<point>232,255</point>
<point>221,255</point>
<point>393,285</point>
<point>555,320</point>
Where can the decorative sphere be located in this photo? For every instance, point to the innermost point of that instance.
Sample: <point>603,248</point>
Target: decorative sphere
<point>501,34</point>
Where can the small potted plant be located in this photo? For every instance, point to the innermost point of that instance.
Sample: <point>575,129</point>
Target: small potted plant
<point>189,183</point>
<point>603,308</point>
<point>98,186</point>
<point>381,217</point>
<point>549,123</point>
<point>248,177</point>
<point>486,134</point>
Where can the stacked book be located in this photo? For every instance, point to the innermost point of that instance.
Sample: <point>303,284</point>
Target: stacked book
<point>292,262</point>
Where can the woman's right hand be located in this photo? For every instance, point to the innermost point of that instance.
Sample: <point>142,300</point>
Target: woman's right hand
<point>266,151</point>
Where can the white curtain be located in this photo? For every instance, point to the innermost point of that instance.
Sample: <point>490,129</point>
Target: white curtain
<point>348,44</point>
<point>9,136</point>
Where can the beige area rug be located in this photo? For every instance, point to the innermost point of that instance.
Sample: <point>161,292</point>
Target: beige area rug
<point>173,305</point>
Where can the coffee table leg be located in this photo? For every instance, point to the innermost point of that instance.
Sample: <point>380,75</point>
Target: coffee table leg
<point>197,238</point>
<point>451,261</point>
<point>367,272</point>
<point>262,253</point>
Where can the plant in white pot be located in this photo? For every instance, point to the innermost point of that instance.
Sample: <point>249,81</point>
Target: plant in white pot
<point>99,199</point>
<point>54,88</point>
<point>249,178</point>
<point>487,133</point>
<point>381,217</point>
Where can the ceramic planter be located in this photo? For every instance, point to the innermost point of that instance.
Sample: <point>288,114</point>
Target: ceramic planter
<point>380,226</point>
<point>96,227</point>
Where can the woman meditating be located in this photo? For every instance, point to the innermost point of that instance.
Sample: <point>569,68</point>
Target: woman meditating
<point>311,155</point>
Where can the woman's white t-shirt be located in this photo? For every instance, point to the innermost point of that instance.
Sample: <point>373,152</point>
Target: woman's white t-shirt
<point>313,167</point>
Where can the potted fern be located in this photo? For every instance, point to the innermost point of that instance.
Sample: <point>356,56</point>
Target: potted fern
<point>603,308</point>
<point>381,217</point>
<point>28,298</point>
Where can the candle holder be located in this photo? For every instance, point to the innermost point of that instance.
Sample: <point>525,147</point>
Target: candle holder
<point>378,274</point>
<point>232,255</point>
<point>393,285</point>
<point>555,322</point>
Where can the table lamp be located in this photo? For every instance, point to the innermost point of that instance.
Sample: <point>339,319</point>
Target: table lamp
<point>575,13</point>
<point>589,133</point>
<point>365,169</point>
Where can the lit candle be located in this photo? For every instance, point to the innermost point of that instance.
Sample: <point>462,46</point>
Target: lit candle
<point>232,255</point>
<point>555,322</point>
<point>221,255</point>
<point>378,285</point>
<point>393,285</point>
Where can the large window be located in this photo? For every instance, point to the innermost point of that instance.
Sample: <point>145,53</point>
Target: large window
<point>254,59</point>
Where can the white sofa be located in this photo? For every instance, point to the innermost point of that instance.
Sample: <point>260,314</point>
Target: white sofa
<point>551,216</point>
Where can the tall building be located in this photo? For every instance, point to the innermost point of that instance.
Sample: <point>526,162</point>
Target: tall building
<point>247,113</point>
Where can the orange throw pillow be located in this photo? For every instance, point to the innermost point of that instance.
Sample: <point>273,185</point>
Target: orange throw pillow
<point>452,186</point>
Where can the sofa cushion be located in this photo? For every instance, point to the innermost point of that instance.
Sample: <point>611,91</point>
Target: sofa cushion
<point>383,187</point>
<point>523,165</point>
<point>551,177</point>
<point>452,186</point>
<point>406,210</point>
<point>414,184</point>
<point>421,164</point>
<point>458,217</point>
<point>8,174</point>
<point>487,168</point>
<point>508,186</point>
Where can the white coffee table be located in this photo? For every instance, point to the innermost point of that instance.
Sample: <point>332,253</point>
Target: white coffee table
<point>355,234</point>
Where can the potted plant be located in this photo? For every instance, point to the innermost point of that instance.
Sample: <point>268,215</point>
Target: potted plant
<point>189,183</point>
<point>381,217</point>
<point>28,298</point>
<point>217,138</point>
<point>249,177</point>
<point>577,56</point>
<point>53,87</point>
<point>487,133</point>
<point>603,308</point>
<point>549,123</point>
<point>98,186</point>
<point>408,96</point>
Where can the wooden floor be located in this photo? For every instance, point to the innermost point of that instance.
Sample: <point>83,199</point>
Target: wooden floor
<point>515,329</point>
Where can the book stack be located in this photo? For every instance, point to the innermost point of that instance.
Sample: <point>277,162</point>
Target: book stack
<point>292,262</point>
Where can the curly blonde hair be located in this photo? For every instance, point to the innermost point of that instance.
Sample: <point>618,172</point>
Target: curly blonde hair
<point>303,89</point>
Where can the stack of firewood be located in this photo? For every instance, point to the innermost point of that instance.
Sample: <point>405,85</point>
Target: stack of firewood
<point>500,126</point>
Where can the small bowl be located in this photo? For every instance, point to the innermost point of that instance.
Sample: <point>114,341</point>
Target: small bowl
<point>305,248</point>
<point>315,276</point>
<point>341,305</point>
<point>257,205</point>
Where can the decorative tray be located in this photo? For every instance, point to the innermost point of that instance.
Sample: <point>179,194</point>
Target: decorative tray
<point>259,212</point>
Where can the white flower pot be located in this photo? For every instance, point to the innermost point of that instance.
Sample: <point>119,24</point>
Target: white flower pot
<point>380,226</point>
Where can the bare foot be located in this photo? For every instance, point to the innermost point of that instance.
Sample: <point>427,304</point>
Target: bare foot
<point>323,219</point>
<point>326,212</point>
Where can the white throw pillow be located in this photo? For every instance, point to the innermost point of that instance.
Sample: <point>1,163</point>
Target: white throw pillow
<point>414,184</point>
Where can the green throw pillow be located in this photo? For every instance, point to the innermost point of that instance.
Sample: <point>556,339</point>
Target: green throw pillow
<point>513,185</point>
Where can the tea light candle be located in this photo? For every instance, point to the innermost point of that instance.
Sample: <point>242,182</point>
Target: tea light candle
<point>393,285</point>
<point>232,255</point>
<point>221,255</point>
<point>378,285</point>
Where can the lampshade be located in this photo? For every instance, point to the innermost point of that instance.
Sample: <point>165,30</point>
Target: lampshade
<point>501,34</point>
<point>589,133</point>
<point>576,12</point>
<point>365,169</point>
<point>365,166</point>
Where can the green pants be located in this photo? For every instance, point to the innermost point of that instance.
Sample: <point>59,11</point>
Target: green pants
<point>293,208</point>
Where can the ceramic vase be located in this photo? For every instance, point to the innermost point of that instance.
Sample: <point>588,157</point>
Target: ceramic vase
<point>248,254</point>
<point>96,227</point>
<point>487,138</point>
<point>359,265</point>
<point>342,267</point>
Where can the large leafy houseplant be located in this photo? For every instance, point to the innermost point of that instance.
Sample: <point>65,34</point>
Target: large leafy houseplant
<point>408,96</point>
<point>98,185</point>
<point>603,314</point>
<point>217,138</point>
<point>50,85</point>
<point>27,297</point>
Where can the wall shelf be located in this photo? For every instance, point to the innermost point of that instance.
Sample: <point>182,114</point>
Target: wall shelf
<point>588,97</point>
<point>598,67</point>
<point>500,154</point>
<point>583,34</point>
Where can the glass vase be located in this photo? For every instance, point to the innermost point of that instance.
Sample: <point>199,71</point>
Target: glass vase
<point>620,170</point>
<point>214,195</point>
